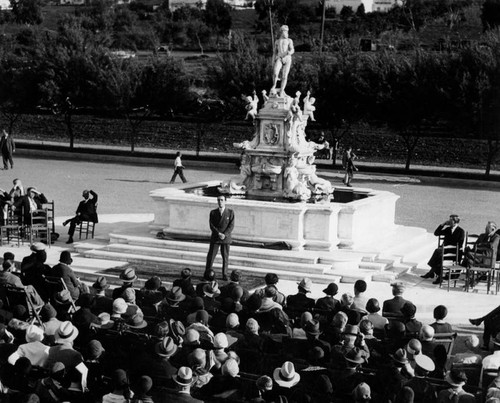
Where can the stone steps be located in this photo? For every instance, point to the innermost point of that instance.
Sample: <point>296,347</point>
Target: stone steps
<point>383,262</point>
<point>236,259</point>
<point>174,266</point>
<point>305,257</point>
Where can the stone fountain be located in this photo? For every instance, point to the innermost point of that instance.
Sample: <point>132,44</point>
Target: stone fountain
<point>279,195</point>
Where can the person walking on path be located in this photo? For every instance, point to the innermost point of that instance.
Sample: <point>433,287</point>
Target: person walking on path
<point>221,225</point>
<point>348,164</point>
<point>178,169</point>
<point>8,147</point>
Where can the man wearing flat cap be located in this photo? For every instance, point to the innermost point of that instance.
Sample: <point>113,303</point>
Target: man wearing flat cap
<point>392,307</point>
<point>86,211</point>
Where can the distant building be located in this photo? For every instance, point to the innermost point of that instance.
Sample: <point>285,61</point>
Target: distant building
<point>240,3</point>
<point>384,5</point>
<point>370,5</point>
<point>5,4</point>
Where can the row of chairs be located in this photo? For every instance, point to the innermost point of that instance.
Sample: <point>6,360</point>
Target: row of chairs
<point>41,226</point>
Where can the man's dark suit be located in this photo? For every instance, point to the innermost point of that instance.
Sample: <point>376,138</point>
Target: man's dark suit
<point>220,224</point>
<point>456,237</point>
<point>23,205</point>
<point>67,275</point>
<point>393,306</point>
<point>7,146</point>
<point>86,211</point>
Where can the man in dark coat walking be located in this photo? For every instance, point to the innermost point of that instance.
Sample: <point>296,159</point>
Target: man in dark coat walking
<point>8,147</point>
<point>221,225</point>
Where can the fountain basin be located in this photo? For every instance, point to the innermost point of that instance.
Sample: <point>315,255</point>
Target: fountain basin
<point>185,211</point>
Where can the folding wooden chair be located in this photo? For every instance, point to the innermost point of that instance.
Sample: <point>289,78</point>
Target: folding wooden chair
<point>483,267</point>
<point>50,207</point>
<point>447,340</point>
<point>39,226</point>
<point>56,284</point>
<point>86,228</point>
<point>12,229</point>
<point>19,296</point>
<point>450,264</point>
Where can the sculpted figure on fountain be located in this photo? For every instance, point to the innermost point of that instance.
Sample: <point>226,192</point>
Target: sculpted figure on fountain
<point>251,107</point>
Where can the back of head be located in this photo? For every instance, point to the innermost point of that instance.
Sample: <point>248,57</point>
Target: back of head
<point>426,333</point>
<point>271,278</point>
<point>366,327</point>
<point>339,320</point>
<point>360,286</point>
<point>409,310</point>
<point>440,312</point>
<point>372,305</point>
<point>9,256</point>
<point>119,379</point>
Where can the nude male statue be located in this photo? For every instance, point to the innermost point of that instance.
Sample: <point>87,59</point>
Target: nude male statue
<point>282,59</point>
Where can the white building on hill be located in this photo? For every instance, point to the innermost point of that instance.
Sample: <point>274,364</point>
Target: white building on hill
<point>370,5</point>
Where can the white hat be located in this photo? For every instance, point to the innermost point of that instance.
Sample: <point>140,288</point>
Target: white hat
<point>305,284</point>
<point>67,332</point>
<point>425,362</point>
<point>119,306</point>
<point>286,375</point>
<point>34,333</point>
<point>220,340</point>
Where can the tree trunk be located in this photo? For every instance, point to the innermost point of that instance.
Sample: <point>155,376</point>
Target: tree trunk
<point>198,140</point>
<point>410,143</point>
<point>69,128</point>
<point>492,152</point>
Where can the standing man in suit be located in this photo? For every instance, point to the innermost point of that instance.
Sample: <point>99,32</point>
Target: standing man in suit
<point>8,147</point>
<point>86,211</point>
<point>221,225</point>
<point>453,235</point>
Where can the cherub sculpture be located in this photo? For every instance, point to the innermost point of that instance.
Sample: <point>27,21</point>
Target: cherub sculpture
<point>251,107</point>
<point>264,95</point>
<point>294,113</point>
<point>309,107</point>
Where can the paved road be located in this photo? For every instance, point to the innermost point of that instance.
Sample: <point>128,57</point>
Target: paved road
<point>423,202</point>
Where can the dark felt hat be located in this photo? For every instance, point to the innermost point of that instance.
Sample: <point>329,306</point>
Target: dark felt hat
<point>332,289</point>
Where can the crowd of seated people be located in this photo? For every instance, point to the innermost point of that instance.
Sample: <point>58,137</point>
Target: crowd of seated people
<point>209,341</point>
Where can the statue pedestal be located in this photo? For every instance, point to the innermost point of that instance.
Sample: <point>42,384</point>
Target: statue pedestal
<point>278,161</point>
